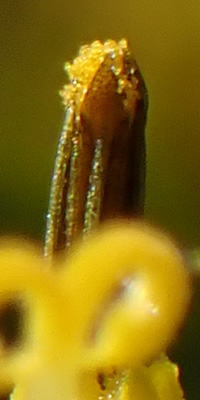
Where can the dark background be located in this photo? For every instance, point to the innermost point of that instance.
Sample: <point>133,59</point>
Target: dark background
<point>36,37</point>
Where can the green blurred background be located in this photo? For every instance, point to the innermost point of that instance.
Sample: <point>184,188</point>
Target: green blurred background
<point>36,37</point>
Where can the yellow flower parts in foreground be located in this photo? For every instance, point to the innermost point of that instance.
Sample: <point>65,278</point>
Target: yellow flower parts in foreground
<point>113,305</point>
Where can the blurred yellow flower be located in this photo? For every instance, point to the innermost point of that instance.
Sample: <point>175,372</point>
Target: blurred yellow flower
<point>95,327</point>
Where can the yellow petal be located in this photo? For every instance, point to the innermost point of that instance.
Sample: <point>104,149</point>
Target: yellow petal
<point>129,291</point>
<point>24,276</point>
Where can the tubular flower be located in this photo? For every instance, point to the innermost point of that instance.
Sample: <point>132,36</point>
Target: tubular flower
<point>97,326</point>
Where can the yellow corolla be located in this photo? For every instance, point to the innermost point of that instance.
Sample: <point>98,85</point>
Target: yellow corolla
<point>96,326</point>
